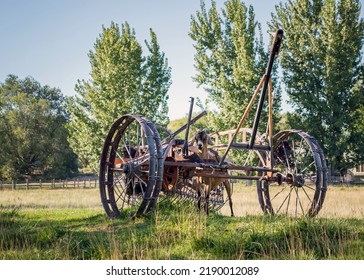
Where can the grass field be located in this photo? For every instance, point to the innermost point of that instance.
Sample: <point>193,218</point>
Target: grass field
<point>341,202</point>
<point>71,224</point>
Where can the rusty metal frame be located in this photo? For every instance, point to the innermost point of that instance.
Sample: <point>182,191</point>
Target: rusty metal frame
<point>264,85</point>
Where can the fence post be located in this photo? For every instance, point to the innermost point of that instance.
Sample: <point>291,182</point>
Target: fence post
<point>1,184</point>
<point>84,183</point>
<point>27,183</point>
<point>13,186</point>
<point>53,184</point>
<point>74,183</point>
<point>40,183</point>
<point>78,183</point>
<point>95,183</point>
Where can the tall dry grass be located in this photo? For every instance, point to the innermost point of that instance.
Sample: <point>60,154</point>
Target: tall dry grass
<point>47,198</point>
<point>340,201</point>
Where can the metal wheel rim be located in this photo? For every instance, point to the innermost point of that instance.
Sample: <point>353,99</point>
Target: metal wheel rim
<point>130,193</point>
<point>305,193</point>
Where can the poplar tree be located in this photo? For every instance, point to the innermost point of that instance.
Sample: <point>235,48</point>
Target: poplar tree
<point>230,60</point>
<point>323,74</point>
<point>122,81</point>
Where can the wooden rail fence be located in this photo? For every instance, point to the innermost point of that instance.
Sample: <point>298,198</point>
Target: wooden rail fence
<point>49,184</point>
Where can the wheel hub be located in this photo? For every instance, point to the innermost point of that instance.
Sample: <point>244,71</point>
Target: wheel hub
<point>296,180</point>
<point>130,168</point>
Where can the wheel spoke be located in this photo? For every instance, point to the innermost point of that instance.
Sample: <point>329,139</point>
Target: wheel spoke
<point>306,186</point>
<point>300,150</point>
<point>120,188</point>
<point>279,192</point>
<point>289,195</point>
<point>141,160</point>
<point>301,145</point>
<point>137,145</point>
<point>295,211</point>
<point>303,188</point>
<point>282,163</point>
<point>286,156</point>
<point>126,148</point>
<point>311,178</point>
<point>299,200</point>
<point>133,200</point>
<point>119,156</point>
<point>294,156</point>
<point>289,198</point>
<point>141,186</point>
<point>119,192</point>
<point>313,162</point>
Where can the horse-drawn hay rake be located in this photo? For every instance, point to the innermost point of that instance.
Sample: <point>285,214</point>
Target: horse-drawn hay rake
<point>137,166</point>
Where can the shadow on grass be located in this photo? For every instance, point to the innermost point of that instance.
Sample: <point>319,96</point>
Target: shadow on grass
<point>174,231</point>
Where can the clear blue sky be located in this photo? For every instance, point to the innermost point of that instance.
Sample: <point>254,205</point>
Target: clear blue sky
<point>50,40</point>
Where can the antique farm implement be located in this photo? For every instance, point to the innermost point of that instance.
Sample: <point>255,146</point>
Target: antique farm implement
<point>138,167</point>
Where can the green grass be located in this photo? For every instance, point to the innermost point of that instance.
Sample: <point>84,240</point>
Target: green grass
<point>173,231</point>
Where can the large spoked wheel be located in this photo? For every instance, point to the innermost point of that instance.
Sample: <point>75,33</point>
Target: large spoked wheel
<point>131,167</point>
<point>302,179</point>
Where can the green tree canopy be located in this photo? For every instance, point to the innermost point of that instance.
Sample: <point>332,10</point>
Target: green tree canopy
<point>123,81</point>
<point>32,130</point>
<point>323,74</point>
<point>230,59</point>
